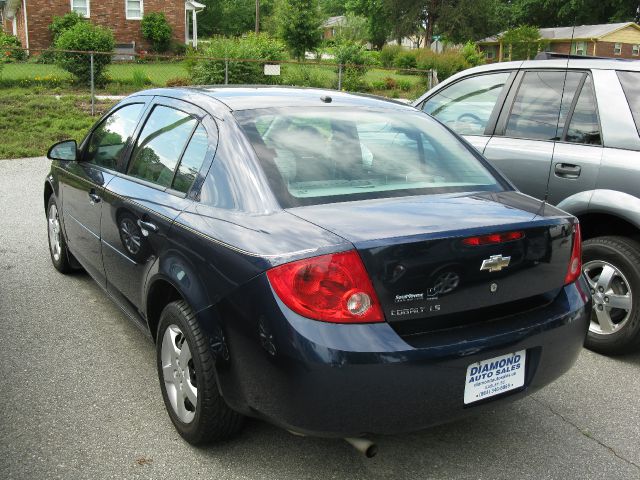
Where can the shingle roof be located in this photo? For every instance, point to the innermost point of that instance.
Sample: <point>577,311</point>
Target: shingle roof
<point>567,33</point>
<point>332,21</point>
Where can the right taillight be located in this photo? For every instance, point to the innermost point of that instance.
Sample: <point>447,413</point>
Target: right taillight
<point>332,288</point>
<point>575,263</point>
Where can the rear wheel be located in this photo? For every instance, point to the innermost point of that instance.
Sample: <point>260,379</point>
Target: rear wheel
<point>187,379</point>
<point>60,255</point>
<point>612,268</point>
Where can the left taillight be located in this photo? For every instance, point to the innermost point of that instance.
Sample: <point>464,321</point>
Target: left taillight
<point>331,288</point>
<point>575,263</point>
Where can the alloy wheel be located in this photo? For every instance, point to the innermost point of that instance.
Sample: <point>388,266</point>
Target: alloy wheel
<point>54,232</point>
<point>179,374</point>
<point>612,297</point>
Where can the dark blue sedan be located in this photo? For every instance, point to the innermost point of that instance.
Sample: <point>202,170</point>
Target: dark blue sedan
<point>337,265</point>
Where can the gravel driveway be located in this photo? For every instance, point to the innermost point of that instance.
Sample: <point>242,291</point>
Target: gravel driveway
<point>79,396</point>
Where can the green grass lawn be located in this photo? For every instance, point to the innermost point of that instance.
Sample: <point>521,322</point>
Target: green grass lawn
<point>31,120</point>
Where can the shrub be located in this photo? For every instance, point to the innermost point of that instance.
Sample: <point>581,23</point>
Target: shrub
<point>352,56</point>
<point>404,85</point>
<point>388,55</point>
<point>252,46</point>
<point>139,78</point>
<point>446,64</point>
<point>306,76</point>
<point>378,85</point>
<point>85,36</point>
<point>472,54</point>
<point>11,49</point>
<point>390,83</point>
<point>372,58</point>
<point>179,82</point>
<point>63,23</point>
<point>157,30</point>
<point>406,60</point>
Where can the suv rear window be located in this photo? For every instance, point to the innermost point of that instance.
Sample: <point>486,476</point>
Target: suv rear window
<point>333,154</point>
<point>631,85</point>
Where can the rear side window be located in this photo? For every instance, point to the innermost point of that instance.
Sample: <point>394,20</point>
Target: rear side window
<point>631,85</point>
<point>108,141</point>
<point>161,144</point>
<point>333,154</point>
<point>584,126</point>
<point>466,106</point>
<point>540,108</point>
<point>192,160</point>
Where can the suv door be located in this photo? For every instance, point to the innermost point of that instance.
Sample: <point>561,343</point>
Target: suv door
<point>532,119</point>
<point>83,182</point>
<point>142,203</point>
<point>471,105</point>
<point>578,154</point>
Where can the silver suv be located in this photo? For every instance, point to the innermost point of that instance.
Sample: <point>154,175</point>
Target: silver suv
<point>566,130</point>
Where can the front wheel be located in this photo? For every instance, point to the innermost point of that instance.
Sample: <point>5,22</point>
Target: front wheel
<point>612,267</point>
<point>60,255</point>
<point>187,379</point>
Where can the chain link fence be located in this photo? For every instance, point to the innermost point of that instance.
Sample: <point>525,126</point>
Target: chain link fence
<point>113,74</point>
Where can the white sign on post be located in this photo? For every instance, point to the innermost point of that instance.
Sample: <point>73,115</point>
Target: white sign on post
<point>271,69</point>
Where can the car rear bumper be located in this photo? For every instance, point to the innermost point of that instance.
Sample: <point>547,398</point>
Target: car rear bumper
<point>343,380</point>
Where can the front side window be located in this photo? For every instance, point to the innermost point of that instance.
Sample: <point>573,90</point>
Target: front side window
<point>81,7</point>
<point>617,49</point>
<point>466,105</point>
<point>160,145</point>
<point>108,141</point>
<point>134,9</point>
<point>336,154</point>
<point>584,126</point>
<point>631,85</point>
<point>541,105</point>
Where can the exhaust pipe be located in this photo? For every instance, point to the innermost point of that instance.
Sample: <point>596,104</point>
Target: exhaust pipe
<point>364,446</point>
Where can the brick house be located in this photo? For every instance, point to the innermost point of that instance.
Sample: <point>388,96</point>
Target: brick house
<point>29,20</point>
<point>615,40</point>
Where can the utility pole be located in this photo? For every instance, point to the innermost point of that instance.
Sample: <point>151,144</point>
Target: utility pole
<point>257,16</point>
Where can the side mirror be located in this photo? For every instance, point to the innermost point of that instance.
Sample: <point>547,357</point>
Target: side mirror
<point>66,151</point>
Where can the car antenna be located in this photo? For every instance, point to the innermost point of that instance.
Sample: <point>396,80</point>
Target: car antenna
<point>564,85</point>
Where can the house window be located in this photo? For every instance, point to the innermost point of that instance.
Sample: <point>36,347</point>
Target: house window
<point>134,9</point>
<point>490,53</point>
<point>81,7</point>
<point>617,49</point>
<point>635,51</point>
<point>579,48</point>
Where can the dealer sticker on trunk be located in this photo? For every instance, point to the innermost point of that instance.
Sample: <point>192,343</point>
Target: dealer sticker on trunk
<point>494,376</point>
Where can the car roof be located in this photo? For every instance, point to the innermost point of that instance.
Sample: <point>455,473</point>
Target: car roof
<point>555,63</point>
<point>253,97</point>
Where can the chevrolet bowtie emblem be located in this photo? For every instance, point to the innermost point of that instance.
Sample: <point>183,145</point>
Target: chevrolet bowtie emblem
<point>495,263</point>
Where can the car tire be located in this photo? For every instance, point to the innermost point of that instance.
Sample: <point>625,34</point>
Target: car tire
<point>612,267</point>
<point>60,255</point>
<point>182,372</point>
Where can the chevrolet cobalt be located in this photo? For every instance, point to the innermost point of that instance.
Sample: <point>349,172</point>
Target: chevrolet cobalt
<point>337,265</point>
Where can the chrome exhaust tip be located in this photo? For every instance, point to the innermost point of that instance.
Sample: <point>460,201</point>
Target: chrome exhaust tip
<point>364,446</point>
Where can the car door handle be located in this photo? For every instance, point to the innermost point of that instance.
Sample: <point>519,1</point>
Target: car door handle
<point>94,197</point>
<point>147,227</point>
<point>567,170</point>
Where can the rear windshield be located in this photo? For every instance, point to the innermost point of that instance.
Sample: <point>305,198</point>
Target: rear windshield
<point>631,85</point>
<point>334,154</point>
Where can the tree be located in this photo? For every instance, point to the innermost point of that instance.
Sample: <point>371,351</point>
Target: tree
<point>523,42</point>
<point>299,25</point>
<point>378,24</point>
<point>157,30</point>
<point>232,17</point>
<point>464,20</point>
<point>353,29</point>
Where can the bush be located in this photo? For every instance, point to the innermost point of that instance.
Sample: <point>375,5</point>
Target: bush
<point>157,30</point>
<point>388,55</point>
<point>352,56</point>
<point>63,23</point>
<point>406,60</point>
<point>252,46</point>
<point>85,36</point>
<point>472,54</point>
<point>178,82</point>
<point>11,49</point>
<point>446,64</point>
<point>306,76</point>
<point>390,83</point>
<point>404,85</point>
<point>372,58</point>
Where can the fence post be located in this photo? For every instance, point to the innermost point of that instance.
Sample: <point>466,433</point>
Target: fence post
<point>93,91</point>
<point>340,77</point>
<point>226,71</point>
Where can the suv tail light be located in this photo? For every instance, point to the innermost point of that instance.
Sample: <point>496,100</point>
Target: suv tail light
<point>575,263</point>
<point>332,288</point>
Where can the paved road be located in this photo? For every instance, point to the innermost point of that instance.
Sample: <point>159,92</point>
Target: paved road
<point>79,396</point>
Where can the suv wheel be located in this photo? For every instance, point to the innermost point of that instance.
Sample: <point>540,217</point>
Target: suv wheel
<point>60,255</point>
<point>612,268</point>
<point>187,379</point>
